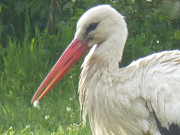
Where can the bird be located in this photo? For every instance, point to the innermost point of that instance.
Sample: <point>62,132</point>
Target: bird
<point>142,98</point>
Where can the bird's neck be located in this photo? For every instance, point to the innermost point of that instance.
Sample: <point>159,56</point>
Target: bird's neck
<point>101,63</point>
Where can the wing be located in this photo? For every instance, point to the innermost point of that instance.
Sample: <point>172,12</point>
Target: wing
<point>162,89</point>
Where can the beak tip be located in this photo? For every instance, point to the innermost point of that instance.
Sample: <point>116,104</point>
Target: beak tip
<point>32,100</point>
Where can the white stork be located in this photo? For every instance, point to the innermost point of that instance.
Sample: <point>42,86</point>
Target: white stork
<point>140,99</point>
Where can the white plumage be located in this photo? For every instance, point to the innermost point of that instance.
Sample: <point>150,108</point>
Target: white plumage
<point>140,99</point>
<point>122,100</point>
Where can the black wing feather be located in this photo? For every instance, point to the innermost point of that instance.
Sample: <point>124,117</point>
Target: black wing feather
<point>173,129</point>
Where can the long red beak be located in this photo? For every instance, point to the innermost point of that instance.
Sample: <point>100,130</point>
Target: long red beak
<point>70,56</point>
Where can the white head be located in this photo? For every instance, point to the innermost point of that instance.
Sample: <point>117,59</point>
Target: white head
<point>99,23</point>
<point>106,30</point>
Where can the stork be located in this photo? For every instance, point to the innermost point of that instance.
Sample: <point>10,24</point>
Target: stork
<point>142,98</point>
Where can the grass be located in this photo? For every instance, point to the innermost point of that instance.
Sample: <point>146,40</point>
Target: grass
<point>24,64</point>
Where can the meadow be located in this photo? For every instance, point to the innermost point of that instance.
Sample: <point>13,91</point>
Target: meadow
<point>23,66</point>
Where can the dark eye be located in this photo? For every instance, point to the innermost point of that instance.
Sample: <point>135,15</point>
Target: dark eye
<point>92,27</point>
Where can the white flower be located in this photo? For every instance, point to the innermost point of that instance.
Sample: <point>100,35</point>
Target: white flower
<point>46,117</point>
<point>68,109</point>
<point>36,104</point>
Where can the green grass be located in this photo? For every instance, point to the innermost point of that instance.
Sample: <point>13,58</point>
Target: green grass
<point>24,64</point>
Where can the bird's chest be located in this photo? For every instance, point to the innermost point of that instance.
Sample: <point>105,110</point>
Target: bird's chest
<point>111,111</point>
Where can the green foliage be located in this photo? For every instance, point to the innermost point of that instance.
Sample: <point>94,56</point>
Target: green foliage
<point>29,46</point>
<point>25,64</point>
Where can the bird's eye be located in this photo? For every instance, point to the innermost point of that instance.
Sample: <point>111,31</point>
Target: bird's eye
<point>92,27</point>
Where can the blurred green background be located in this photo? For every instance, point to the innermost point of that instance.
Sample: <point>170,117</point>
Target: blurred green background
<point>34,33</point>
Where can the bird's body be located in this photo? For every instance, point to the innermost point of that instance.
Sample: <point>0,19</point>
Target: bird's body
<point>122,100</point>
<point>140,99</point>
